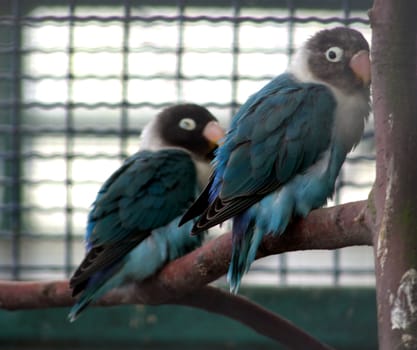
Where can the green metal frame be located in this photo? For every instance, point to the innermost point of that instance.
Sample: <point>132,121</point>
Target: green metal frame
<point>342,317</point>
<point>304,4</point>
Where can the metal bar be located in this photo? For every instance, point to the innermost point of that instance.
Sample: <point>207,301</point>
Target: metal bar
<point>102,20</point>
<point>102,104</point>
<point>304,4</point>
<point>69,145</point>
<point>180,49</point>
<point>336,253</point>
<point>44,237</point>
<point>282,258</point>
<point>291,28</point>
<point>141,77</point>
<point>346,11</point>
<point>235,57</point>
<point>22,208</point>
<point>141,49</point>
<point>16,192</point>
<point>124,122</point>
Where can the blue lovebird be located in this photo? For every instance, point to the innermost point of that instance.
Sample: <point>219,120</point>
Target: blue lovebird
<point>132,228</point>
<point>286,144</point>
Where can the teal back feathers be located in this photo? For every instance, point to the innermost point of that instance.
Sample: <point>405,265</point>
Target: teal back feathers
<point>132,228</point>
<point>286,144</point>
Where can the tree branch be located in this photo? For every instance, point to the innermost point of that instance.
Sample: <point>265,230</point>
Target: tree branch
<point>394,89</point>
<point>329,228</point>
<point>252,315</point>
<point>30,295</point>
<point>183,281</point>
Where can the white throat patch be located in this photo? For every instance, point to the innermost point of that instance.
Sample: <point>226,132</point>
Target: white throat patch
<point>351,110</point>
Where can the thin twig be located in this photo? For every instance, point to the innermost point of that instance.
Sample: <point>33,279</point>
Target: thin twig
<point>37,295</point>
<point>252,315</point>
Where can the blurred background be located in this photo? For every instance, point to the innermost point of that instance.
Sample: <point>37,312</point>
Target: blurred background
<point>79,79</point>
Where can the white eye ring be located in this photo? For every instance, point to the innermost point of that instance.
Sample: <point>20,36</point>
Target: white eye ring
<point>334,54</point>
<point>187,124</point>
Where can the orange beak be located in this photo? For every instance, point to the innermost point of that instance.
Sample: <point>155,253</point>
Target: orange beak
<point>214,133</point>
<point>361,66</point>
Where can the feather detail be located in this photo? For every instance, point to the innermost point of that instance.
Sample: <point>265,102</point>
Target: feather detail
<point>138,205</point>
<point>132,228</point>
<point>282,116</point>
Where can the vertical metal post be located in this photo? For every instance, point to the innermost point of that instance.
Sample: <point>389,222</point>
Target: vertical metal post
<point>336,253</point>
<point>291,27</point>
<point>124,112</point>
<point>235,56</point>
<point>282,258</point>
<point>346,11</point>
<point>69,145</point>
<point>180,49</point>
<point>15,167</point>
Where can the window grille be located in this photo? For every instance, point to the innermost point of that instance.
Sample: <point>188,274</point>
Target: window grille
<point>79,79</point>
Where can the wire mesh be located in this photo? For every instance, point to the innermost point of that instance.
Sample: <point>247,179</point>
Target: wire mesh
<point>79,79</point>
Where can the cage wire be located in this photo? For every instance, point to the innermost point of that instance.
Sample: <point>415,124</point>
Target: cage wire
<point>79,79</point>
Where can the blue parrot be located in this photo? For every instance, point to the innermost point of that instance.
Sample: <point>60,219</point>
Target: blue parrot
<point>132,228</point>
<point>286,144</point>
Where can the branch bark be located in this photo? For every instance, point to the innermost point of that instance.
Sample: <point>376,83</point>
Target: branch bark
<point>329,228</point>
<point>183,281</point>
<point>394,75</point>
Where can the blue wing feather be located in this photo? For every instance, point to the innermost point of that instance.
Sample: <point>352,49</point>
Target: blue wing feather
<point>262,170</point>
<point>284,124</point>
<point>137,203</point>
<point>136,195</point>
<point>275,137</point>
<point>278,133</point>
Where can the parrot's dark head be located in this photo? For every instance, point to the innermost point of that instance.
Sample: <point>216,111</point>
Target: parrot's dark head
<point>188,126</point>
<point>340,57</point>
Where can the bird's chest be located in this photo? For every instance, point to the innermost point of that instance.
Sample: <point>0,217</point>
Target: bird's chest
<point>350,114</point>
<point>312,188</point>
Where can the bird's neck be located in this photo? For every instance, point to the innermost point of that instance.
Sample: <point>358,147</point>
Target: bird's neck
<point>299,69</point>
<point>351,109</point>
<point>149,139</point>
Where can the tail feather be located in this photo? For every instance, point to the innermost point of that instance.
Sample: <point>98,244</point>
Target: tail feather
<point>98,285</point>
<point>81,305</point>
<point>255,241</point>
<point>237,266</point>
<point>243,230</point>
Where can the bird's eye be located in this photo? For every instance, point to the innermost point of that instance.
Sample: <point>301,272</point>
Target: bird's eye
<point>334,54</point>
<point>187,124</point>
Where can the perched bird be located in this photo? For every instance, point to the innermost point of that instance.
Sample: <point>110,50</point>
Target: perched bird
<point>286,144</point>
<point>132,228</point>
